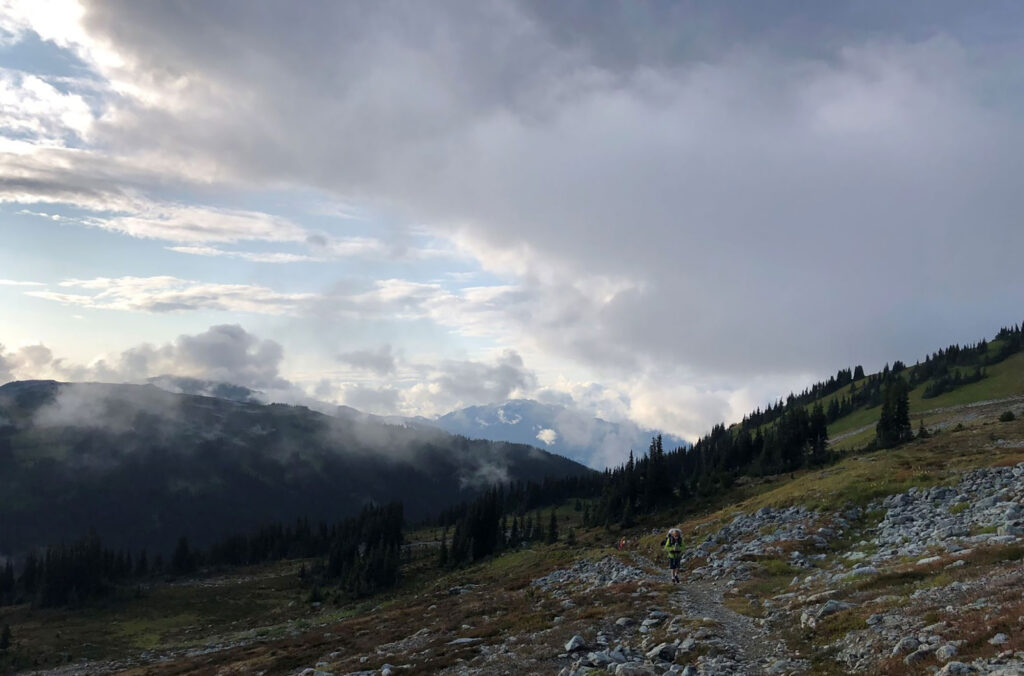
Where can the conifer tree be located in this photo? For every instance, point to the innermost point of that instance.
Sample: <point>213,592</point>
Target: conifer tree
<point>893,426</point>
<point>552,534</point>
<point>7,583</point>
<point>538,526</point>
<point>5,638</point>
<point>819,435</point>
<point>442,553</point>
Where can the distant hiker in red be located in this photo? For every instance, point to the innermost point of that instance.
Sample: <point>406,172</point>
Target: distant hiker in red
<point>622,544</point>
<point>674,548</point>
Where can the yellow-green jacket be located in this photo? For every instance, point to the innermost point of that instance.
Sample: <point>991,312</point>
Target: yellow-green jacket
<point>674,549</point>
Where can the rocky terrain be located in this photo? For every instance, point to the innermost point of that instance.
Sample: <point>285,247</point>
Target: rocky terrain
<point>923,581</point>
<point>905,561</point>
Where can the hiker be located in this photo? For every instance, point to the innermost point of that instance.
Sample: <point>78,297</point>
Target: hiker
<point>622,543</point>
<point>674,547</point>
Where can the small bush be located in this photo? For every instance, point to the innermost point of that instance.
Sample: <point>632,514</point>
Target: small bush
<point>1007,416</point>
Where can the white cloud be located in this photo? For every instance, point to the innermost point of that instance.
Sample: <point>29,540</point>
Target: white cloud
<point>170,294</point>
<point>225,353</point>
<point>32,107</point>
<point>548,436</point>
<point>185,223</point>
<point>252,256</point>
<point>16,282</point>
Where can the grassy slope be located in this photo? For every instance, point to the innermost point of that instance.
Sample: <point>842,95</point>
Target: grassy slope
<point>1005,379</point>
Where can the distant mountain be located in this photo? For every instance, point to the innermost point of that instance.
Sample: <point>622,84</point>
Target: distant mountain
<point>144,466</point>
<point>559,429</point>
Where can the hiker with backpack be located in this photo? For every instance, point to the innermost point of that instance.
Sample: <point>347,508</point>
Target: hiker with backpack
<point>674,548</point>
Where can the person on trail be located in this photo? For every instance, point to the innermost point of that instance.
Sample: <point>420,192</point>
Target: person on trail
<point>622,543</point>
<point>674,548</point>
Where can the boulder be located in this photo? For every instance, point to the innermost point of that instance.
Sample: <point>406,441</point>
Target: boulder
<point>663,651</point>
<point>575,643</point>
<point>999,639</point>
<point>918,656</point>
<point>905,645</point>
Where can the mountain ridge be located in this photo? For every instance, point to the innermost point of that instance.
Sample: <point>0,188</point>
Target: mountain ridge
<point>143,466</point>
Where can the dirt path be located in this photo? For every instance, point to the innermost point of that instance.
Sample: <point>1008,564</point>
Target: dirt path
<point>755,648</point>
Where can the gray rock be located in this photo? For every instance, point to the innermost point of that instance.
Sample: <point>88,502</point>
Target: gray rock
<point>634,669</point>
<point>956,669</point>
<point>945,653</point>
<point>860,571</point>
<point>663,651</point>
<point>574,644</point>
<point>905,645</point>
<point>832,607</point>
<point>465,641</point>
<point>999,639</point>
<point>780,667</point>
<point>918,656</point>
<point>625,622</point>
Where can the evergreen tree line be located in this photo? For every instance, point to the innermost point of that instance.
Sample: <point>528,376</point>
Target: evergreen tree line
<point>484,529</point>
<point>520,497</point>
<point>816,391</point>
<point>362,553</point>
<point>71,575</point>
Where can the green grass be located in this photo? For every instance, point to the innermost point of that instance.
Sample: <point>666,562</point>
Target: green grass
<point>1005,379</point>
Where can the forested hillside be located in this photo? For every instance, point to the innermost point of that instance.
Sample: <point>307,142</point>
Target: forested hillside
<point>142,466</point>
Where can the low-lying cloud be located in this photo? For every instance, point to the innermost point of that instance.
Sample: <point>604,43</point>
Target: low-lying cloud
<point>225,353</point>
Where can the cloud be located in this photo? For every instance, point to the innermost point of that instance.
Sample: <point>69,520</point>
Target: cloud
<point>32,107</point>
<point>714,196</point>
<point>724,181</point>
<point>453,384</point>
<point>430,388</point>
<point>251,256</point>
<point>183,223</point>
<point>17,282</point>
<point>379,400</point>
<point>225,353</point>
<point>170,294</point>
<point>380,361</point>
<point>548,436</point>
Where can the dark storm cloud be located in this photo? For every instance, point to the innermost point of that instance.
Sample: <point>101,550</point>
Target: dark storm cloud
<point>769,189</point>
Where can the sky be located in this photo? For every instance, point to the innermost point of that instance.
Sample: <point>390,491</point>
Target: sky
<point>661,212</point>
